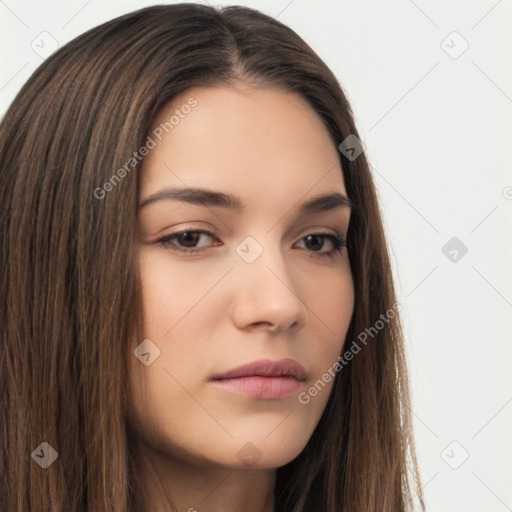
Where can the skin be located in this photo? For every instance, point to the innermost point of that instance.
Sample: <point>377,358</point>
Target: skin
<point>211,311</point>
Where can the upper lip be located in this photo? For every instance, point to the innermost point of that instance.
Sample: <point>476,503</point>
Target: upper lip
<point>266,368</point>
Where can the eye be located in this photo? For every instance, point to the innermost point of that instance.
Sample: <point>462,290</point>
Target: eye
<point>187,241</point>
<point>315,242</point>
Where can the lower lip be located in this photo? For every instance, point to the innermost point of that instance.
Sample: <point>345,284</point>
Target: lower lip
<point>266,388</point>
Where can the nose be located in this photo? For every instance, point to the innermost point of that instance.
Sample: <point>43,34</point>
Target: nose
<point>266,296</point>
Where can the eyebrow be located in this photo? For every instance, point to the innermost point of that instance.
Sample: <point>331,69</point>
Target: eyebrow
<point>204,197</point>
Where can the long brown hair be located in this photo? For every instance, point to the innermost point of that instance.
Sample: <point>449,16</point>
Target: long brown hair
<point>70,299</point>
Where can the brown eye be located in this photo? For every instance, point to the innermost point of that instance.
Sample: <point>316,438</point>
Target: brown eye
<point>188,238</point>
<point>185,241</point>
<point>316,241</point>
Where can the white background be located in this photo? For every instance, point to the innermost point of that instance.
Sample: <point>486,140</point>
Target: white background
<point>438,132</point>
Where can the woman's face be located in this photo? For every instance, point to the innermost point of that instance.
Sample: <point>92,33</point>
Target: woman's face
<point>258,288</point>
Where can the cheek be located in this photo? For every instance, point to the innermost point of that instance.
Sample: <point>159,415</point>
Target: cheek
<point>179,316</point>
<point>330,303</point>
<point>172,289</point>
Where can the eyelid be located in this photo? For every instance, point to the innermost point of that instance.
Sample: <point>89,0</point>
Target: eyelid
<point>314,230</point>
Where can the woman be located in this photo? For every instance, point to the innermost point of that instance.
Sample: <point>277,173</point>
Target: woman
<point>197,305</point>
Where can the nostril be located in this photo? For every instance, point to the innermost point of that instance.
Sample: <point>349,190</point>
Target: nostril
<point>269,325</point>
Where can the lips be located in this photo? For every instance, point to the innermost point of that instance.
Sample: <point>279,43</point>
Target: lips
<point>263,379</point>
<point>266,368</point>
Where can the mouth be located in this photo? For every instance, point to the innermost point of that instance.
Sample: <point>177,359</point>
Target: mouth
<point>263,379</point>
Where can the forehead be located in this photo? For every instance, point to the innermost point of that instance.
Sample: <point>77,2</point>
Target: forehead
<point>251,141</point>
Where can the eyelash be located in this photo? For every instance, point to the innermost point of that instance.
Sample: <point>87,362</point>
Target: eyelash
<point>337,241</point>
